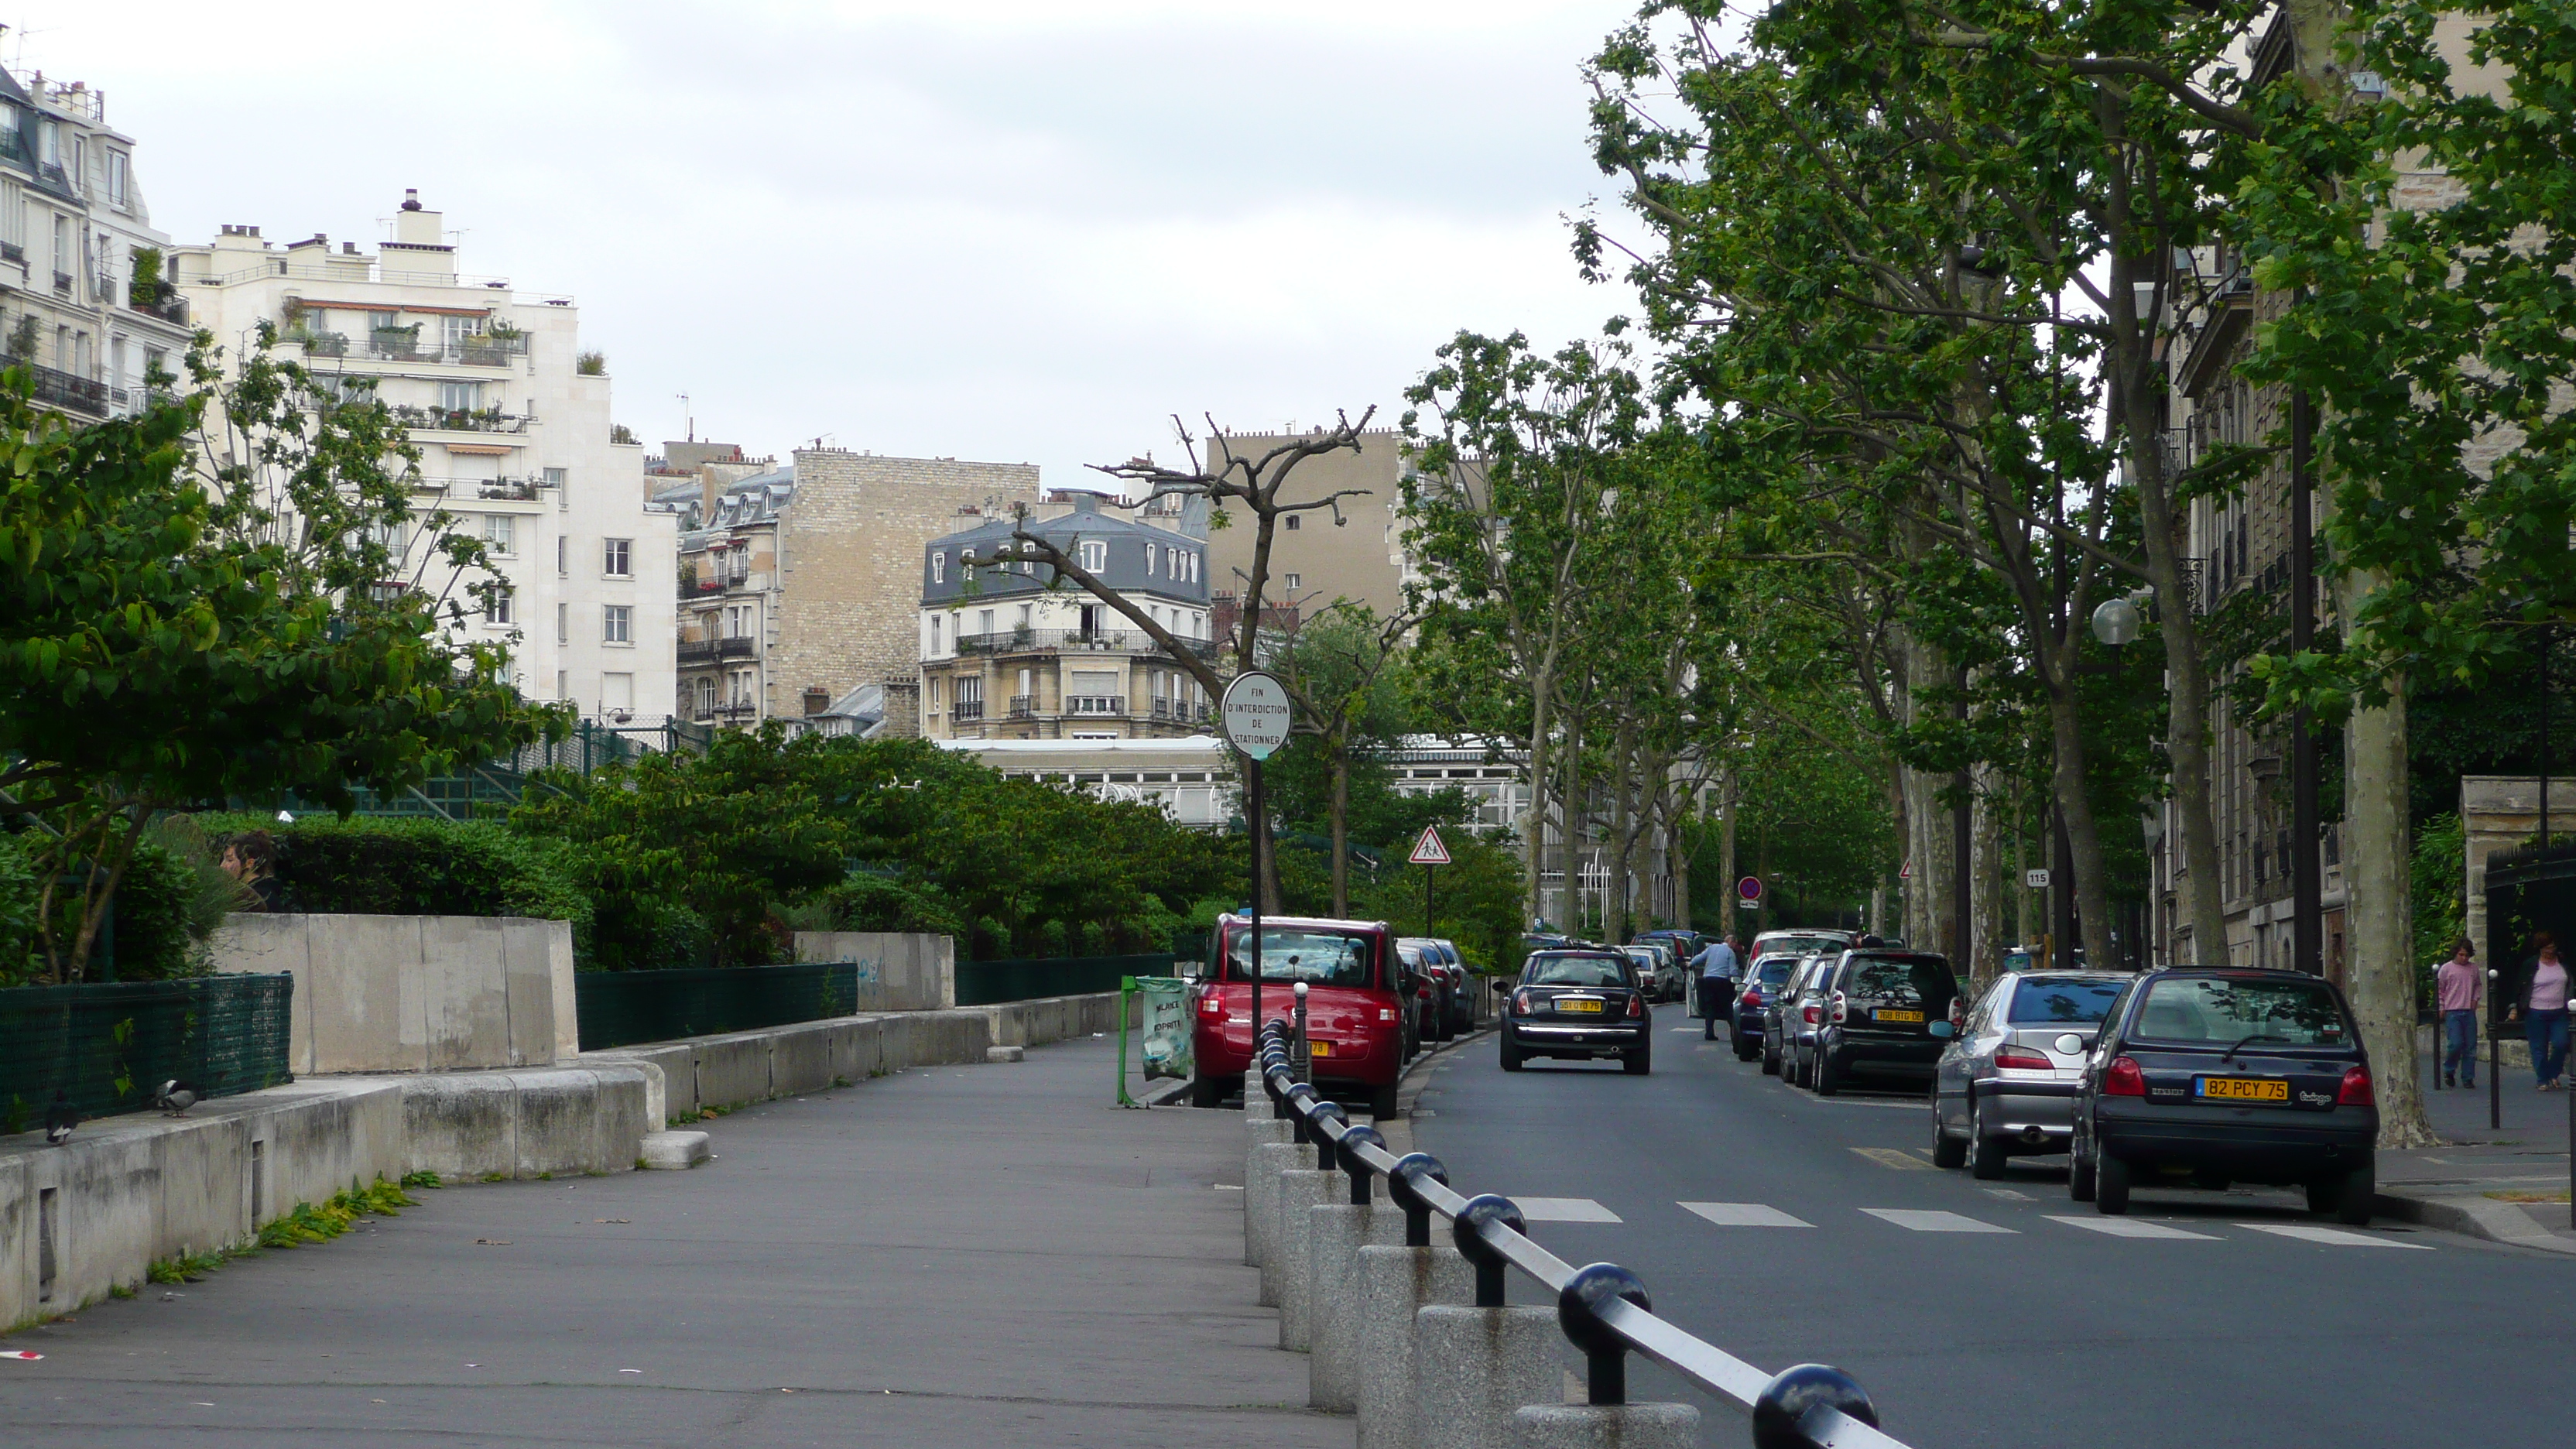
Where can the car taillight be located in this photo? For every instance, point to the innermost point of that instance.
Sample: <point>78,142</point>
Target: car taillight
<point>2021,1059</point>
<point>1636,1006</point>
<point>1213,1006</point>
<point>1752,997</point>
<point>2356,1091</point>
<point>2123,1079</point>
<point>1520,1003</point>
<point>1842,1008</point>
<point>1385,1014</point>
<point>1812,1013</point>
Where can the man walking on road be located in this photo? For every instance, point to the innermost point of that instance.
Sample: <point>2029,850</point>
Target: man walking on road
<point>1718,966</point>
<point>2456,989</point>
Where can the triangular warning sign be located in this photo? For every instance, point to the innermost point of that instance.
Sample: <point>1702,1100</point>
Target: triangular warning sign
<point>1428,850</point>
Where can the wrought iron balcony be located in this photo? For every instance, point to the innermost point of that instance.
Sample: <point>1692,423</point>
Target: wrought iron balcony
<point>52,387</point>
<point>702,650</point>
<point>459,420</point>
<point>1021,707</point>
<point>966,711</point>
<point>1068,641</point>
<point>1107,706</point>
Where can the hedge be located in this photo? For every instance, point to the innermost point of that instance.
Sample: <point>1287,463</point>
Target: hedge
<point>372,866</point>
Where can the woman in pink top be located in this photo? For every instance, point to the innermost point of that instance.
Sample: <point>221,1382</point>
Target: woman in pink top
<point>2544,1013</point>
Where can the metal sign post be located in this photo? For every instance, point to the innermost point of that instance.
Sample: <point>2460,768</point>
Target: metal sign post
<point>1256,717</point>
<point>1430,852</point>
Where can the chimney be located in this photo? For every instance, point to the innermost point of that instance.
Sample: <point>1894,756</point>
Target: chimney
<point>416,226</point>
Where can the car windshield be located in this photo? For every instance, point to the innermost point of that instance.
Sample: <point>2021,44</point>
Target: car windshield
<point>1776,970</point>
<point>1917,982</point>
<point>2048,1000</point>
<point>1319,958</point>
<point>1800,945</point>
<point>1575,971</point>
<point>2289,1011</point>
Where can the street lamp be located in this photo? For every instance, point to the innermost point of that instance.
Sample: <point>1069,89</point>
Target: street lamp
<point>2121,619</point>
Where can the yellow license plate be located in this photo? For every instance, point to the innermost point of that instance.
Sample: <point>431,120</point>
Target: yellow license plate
<point>1885,1014</point>
<point>1319,1048</point>
<point>2243,1089</point>
<point>1591,1006</point>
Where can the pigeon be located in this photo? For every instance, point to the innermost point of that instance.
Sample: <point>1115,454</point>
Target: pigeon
<point>60,1118</point>
<point>176,1097</point>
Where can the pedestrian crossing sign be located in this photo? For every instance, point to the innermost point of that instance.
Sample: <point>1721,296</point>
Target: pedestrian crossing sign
<point>1430,850</point>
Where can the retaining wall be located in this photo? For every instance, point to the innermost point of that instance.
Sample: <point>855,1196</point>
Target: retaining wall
<point>414,993</point>
<point>897,972</point>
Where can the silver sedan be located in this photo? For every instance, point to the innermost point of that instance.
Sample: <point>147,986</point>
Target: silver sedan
<point>2005,1086</point>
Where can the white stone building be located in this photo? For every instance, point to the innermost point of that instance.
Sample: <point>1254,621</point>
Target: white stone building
<point>512,420</point>
<point>80,310</point>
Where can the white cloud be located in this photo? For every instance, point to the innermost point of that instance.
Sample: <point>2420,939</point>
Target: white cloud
<point>1022,230</point>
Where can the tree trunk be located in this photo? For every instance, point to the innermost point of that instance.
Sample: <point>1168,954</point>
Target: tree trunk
<point>1677,846</point>
<point>1574,808</point>
<point>1985,880</point>
<point>1341,758</point>
<point>2378,930</point>
<point>1614,884</point>
<point>1726,855</point>
<point>2198,883</point>
<point>2083,837</point>
<point>1534,832</point>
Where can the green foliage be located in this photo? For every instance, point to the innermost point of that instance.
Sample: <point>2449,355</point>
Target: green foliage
<point>374,866</point>
<point>2438,882</point>
<point>308,1223</point>
<point>1475,902</point>
<point>591,364</point>
<point>422,1178</point>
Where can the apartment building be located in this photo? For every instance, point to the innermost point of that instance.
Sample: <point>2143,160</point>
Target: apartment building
<point>1013,653</point>
<point>512,419</point>
<point>1313,560</point>
<point>85,311</point>
<point>798,580</point>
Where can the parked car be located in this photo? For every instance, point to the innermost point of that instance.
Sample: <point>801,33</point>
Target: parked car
<point>1686,944</point>
<point>1768,976</point>
<point>1801,941</point>
<point>2005,1084</point>
<point>2210,1075</point>
<point>1433,989</point>
<point>1583,1003</point>
<point>1355,1005</point>
<point>1470,986</point>
<point>1878,1009</point>
<point>1662,970</point>
<point>1789,1042</point>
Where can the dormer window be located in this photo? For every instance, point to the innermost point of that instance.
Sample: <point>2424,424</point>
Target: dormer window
<point>1093,554</point>
<point>939,568</point>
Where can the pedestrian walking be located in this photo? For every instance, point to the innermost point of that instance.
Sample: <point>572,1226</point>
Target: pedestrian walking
<point>1717,970</point>
<point>2457,987</point>
<point>2542,1005</point>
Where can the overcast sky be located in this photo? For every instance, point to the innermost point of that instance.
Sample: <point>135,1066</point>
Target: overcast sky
<point>1009,231</point>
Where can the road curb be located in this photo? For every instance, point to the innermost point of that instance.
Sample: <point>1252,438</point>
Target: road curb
<point>2476,1217</point>
<point>1408,1088</point>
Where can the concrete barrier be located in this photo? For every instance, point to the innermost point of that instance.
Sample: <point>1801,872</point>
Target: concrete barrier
<point>414,993</point>
<point>1609,1426</point>
<point>1261,1191</point>
<point>897,971</point>
<point>1300,1193</point>
<point>1339,1231</point>
<point>1258,1132</point>
<point>1475,1367</point>
<point>1395,1284</point>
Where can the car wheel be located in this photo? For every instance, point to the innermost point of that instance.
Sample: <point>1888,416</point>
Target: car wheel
<point>2079,1174</point>
<point>1206,1091</point>
<point>1638,1063</point>
<point>1985,1152</point>
<point>1826,1086</point>
<point>2360,1195</point>
<point>2110,1186</point>
<point>1382,1102</point>
<point>1744,1049</point>
<point>1947,1151</point>
<point>1511,1057</point>
<point>1770,1061</point>
<point>1806,1073</point>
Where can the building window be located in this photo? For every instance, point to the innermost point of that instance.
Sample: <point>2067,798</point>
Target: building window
<point>460,397</point>
<point>503,608</point>
<point>1194,566</point>
<point>563,684</point>
<point>939,568</point>
<point>563,623</point>
<point>706,699</point>
<point>501,531</point>
<point>561,543</point>
<point>617,559</point>
<point>554,477</point>
<point>1149,560</point>
<point>1295,583</point>
<point>617,691</point>
<point>616,624</point>
<point>1294,521</point>
<point>1093,554</point>
<point>934,634</point>
<point>983,621</point>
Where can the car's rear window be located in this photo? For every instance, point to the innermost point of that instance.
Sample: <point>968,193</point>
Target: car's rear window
<point>1319,958</point>
<point>2291,1010</point>
<point>2047,1000</point>
<point>1915,982</point>
<point>1775,971</point>
<point>1800,945</point>
<point>1575,971</point>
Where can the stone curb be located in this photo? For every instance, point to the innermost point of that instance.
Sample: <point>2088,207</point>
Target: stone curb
<point>2476,1217</point>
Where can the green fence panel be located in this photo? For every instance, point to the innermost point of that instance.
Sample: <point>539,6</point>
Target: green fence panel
<point>108,1046</point>
<point>990,983</point>
<point>621,1008</point>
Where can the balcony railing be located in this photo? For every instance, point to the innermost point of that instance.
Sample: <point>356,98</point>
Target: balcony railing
<point>12,252</point>
<point>404,347</point>
<point>700,650</point>
<point>459,420</point>
<point>1021,707</point>
<point>967,711</point>
<point>1181,710</point>
<point>63,283</point>
<point>161,300</point>
<point>1104,641</point>
<point>1107,706</point>
<point>55,388</point>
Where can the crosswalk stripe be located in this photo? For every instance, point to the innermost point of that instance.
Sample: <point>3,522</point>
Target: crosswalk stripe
<point>2335,1237</point>
<point>1745,1215</point>
<point>2129,1228</point>
<point>1926,1220</point>
<point>1894,1157</point>
<point>1563,1210</point>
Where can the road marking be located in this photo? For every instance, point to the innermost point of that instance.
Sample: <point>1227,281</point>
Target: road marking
<point>2008,1195</point>
<point>1745,1215</point>
<point>2130,1228</point>
<point>1894,1157</point>
<point>1563,1210</point>
<point>1926,1220</point>
<point>2333,1237</point>
<point>1227,1186</point>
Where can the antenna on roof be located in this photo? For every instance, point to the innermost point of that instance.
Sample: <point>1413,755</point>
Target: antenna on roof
<point>689,417</point>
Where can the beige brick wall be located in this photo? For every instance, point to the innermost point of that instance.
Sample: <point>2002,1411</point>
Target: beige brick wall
<point>850,551</point>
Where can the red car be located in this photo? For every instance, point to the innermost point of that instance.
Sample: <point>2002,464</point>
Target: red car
<point>1354,1005</point>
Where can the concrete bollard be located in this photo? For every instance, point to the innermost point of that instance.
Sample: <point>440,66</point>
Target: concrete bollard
<point>1300,1193</point>
<point>1604,1426</point>
<point>1258,1132</point>
<point>1271,1164</point>
<point>1474,1368</point>
<point>1394,1283</point>
<point>1333,1311</point>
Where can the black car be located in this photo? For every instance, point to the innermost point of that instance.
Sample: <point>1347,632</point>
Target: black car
<point>1583,1004</point>
<point>1769,976</point>
<point>1878,1007</point>
<point>2204,1076</point>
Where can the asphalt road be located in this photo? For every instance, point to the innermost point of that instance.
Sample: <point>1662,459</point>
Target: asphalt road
<point>950,1258</point>
<point>1991,1323</point>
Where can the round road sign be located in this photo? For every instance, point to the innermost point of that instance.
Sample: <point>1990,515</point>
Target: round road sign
<point>1256,715</point>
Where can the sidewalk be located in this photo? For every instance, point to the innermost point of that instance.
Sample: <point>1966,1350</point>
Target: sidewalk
<point>2471,1182</point>
<point>950,1256</point>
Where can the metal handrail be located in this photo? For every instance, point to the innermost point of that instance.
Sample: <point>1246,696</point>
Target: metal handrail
<point>1603,1308</point>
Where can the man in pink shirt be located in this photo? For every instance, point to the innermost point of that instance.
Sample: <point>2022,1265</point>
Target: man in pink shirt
<point>2456,988</point>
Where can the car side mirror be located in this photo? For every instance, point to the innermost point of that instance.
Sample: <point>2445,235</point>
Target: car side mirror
<point>1943,1030</point>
